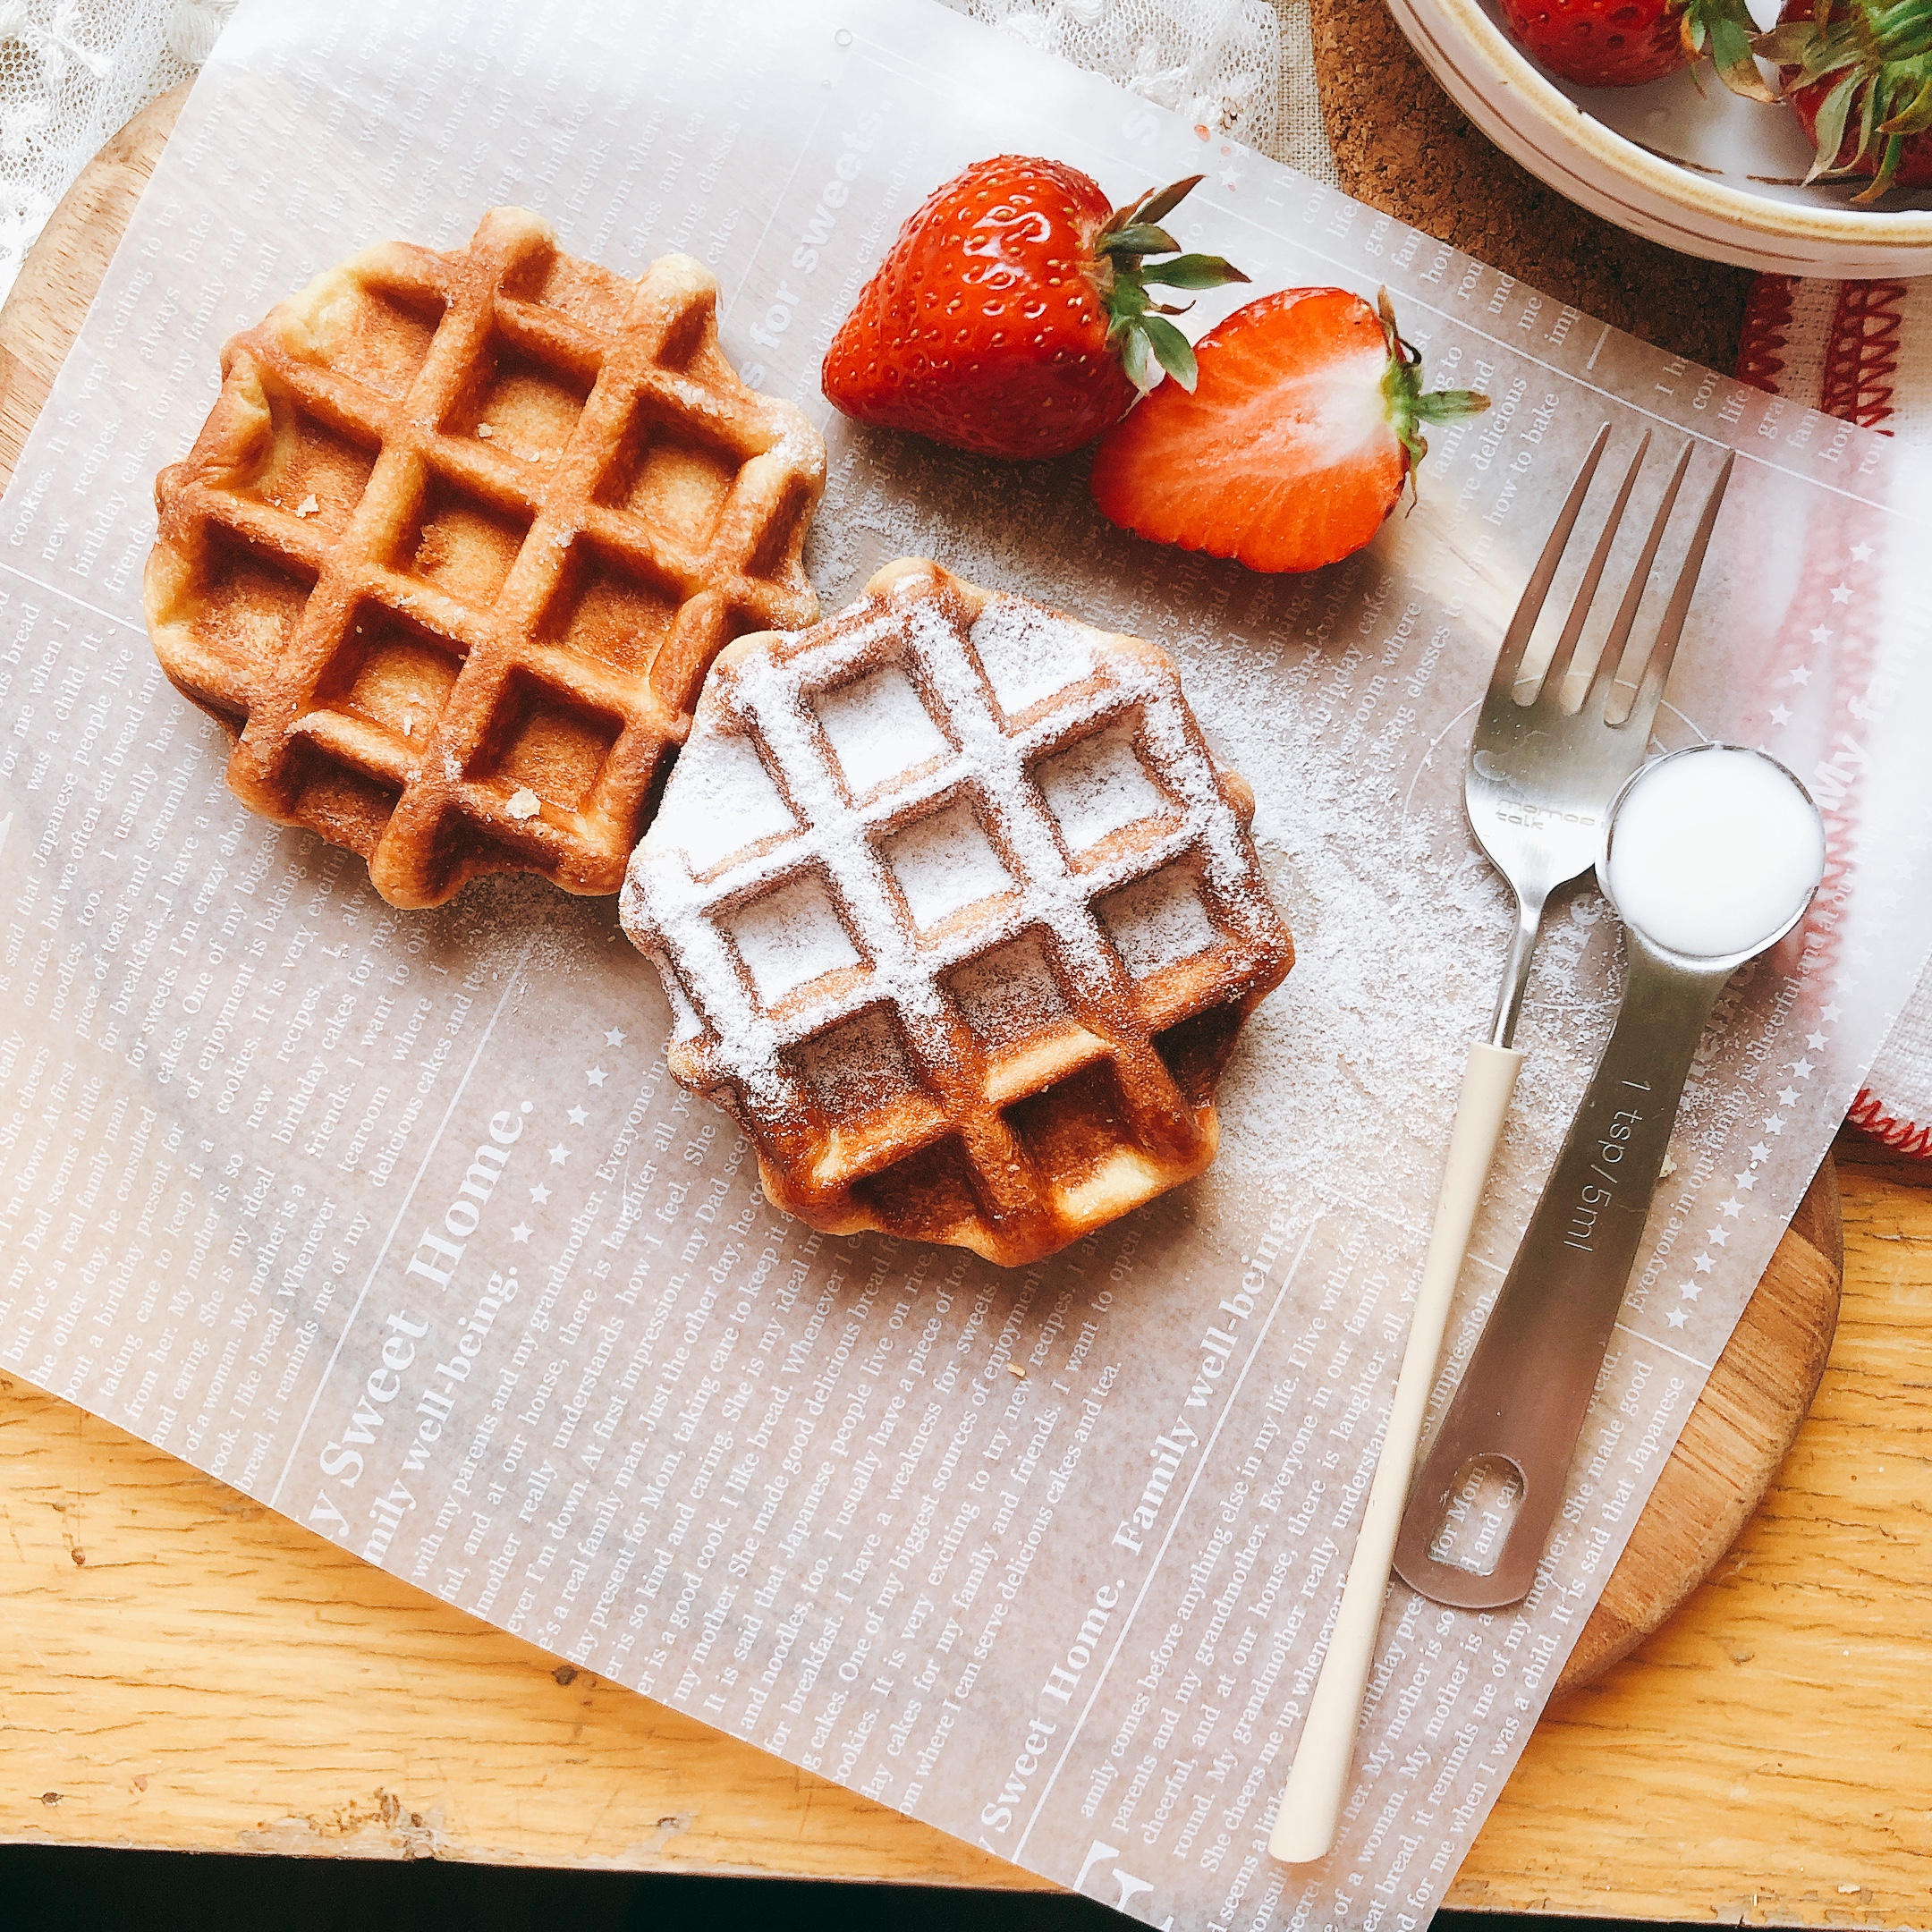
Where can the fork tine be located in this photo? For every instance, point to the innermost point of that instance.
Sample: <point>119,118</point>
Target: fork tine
<point>1509,657</point>
<point>1580,608</point>
<point>1657,670</point>
<point>1640,581</point>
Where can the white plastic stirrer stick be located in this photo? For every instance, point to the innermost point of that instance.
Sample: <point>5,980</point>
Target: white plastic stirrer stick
<point>1311,1806</point>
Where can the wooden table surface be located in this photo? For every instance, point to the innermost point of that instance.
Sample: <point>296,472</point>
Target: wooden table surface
<point>181,1668</point>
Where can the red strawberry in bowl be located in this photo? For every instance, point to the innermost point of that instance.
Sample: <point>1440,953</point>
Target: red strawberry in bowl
<point>1012,316</point>
<point>1858,76</point>
<point>1624,43</point>
<point>1304,423</point>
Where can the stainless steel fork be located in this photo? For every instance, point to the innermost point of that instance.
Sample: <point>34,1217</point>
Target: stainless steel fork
<point>1541,780</point>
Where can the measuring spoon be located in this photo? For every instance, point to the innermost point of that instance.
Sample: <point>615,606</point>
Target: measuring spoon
<point>1710,856</point>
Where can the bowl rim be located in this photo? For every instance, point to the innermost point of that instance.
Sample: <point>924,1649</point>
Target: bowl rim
<point>1677,185</point>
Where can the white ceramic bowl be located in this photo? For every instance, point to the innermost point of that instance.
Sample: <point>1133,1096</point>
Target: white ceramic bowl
<point>1710,174</point>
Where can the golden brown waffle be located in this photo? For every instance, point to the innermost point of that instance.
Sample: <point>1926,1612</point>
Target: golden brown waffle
<point>957,917</point>
<point>458,543</point>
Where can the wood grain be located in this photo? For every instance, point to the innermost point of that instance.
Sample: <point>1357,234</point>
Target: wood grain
<point>181,1667</point>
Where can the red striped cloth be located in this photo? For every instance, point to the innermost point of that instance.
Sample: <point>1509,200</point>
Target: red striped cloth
<point>1862,351</point>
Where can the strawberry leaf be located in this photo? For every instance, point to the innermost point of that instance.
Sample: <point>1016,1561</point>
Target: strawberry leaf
<point>1171,349</point>
<point>1140,238</point>
<point>1137,358</point>
<point>1154,206</point>
<point>1147,344</point>
<point>1831,126</point>
<point>1193,272</point>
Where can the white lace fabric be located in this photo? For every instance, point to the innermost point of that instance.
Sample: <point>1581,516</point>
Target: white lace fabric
<point>1243,68</point>
<point>71,73</point>
<point>75,71</point>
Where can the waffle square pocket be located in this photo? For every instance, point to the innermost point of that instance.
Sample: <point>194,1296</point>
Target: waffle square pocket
<point>956,916</point>
<point>458,543</point>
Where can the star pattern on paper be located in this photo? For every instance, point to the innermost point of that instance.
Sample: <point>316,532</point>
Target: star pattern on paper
<point>520,1232</point>
<point>1689,1291</point>
<point>595,1075</point>
<point>1800,673</point>
<point>1830,1017</point>
<point>613,1038</point>
<point>1760,1152</point>
<point>1779,714</point>
<point>1731,1208</point>
<point>1787,1097</point>
<point>1841,593</point>
<point>1803,1069</point>
<point>1814,1041</point>
<point>559,1154</point>
<point>577,1117</point>
<point>1861,553</point>
<point>1774,1123</point>
<point>1230,178</point>
<point>1676,1318</point>
<point>1718,1238</point>
<point>540,1194</point>
<point>1747,1181</point>
<point>1820,635</point>
<point>1702,1263</point>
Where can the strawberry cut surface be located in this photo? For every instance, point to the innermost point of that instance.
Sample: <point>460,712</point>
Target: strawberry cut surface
<point>1285,455</point>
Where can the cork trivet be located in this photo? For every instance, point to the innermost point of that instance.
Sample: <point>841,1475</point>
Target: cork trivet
<point>1402,145</point>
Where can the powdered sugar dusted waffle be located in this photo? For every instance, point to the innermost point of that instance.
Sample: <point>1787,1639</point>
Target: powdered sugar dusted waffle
<point>957,917</point>
<point>458,543</point>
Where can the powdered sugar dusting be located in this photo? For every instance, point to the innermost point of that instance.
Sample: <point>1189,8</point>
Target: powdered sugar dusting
<point>1009,994</point>
<point>1028,654</point>
<point>791,938</point>
<point>1099,787</point>
<point>878,729</point>
<point>1159,921</point>
<point>944,864</point>
<point>720,800</point>
<point>857,1064</point>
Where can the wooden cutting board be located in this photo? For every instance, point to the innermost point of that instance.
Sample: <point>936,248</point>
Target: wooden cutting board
<point>1763,1384</point>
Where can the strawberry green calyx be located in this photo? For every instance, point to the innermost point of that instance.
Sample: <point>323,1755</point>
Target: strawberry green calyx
<point>1148,345</point>
<point>1724,29</point>
<point>1875,62</point>
<point>1408,405</point>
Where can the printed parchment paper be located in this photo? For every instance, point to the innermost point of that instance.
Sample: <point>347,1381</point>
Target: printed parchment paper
<point>396,1220</point>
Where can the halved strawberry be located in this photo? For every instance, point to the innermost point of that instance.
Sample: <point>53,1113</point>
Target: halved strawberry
<point>1304,423</point>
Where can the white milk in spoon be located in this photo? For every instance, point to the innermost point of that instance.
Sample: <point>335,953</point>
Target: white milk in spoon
<point>1714,852</point>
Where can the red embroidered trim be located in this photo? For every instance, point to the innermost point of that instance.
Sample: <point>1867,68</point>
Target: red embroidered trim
<point>1862,353</point>
<point>1861,361</point>
<point>1907,1137</point>
<point>1766,328</point>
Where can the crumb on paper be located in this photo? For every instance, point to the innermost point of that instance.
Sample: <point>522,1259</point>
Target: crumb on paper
<point>1016,1371</point>
<point>485,431</point>
<point>524,803</point>
<point>1848,1890</point>
<point>307,507</point>
<point>1667,1169</point>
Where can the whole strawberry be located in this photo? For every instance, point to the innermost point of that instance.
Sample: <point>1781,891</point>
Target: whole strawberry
<point>1858,76</point>
<point>1624,43</point>
<point>1012,316</point>
<point>1295,444</point>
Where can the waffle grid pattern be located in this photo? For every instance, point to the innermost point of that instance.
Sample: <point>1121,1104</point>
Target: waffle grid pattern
<point>459,647</point>
<point>879,1091</point>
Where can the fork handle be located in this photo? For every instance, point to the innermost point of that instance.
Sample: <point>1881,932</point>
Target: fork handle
<point>1312,1804</point>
